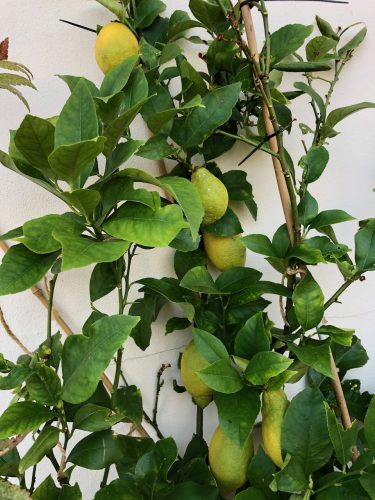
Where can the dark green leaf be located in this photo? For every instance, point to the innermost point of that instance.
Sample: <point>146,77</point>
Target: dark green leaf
<point>209,13</point>
<point>308,302</point>
<point>176,323</point>
<point>291,478</point>
<point>93,418</point>
<point>259,243</point>
<point>316,354</point>
<point>198,279</point>
<point>365,247</point>
<point>265,365</point>
<point>120,490</point>
<point>329,217</point>
<point>128,400</point>
<point>45,441</point>
<point>85,358</point>
<point>97,451</point>
<point>303,66</point>
<point>116,79</point>
<point>209,346</point>
<point>318,47</point>
<point>288,39</point>
<point>343,440</point>
<point>307,209</point>
<point>252,337</point>
<point>237,413</point>
<point>23,417</point>
<point>103,280</point>
<point>237,279</point>
<point>221,377</point>
<point>250,494</point>
<point>44,385</point>
<point>156,148</point>
<point>314,163</point>
<point>147,309</point>
<point>146,12</point>
<point>228,225</point>
<point>314,95</point>
<point>370,424</point>
<point>21,269</point>
<point>304,430</point>
<point>354,42</point>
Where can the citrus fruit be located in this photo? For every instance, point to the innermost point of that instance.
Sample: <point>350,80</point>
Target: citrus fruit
<point>225,252</point>
<point>228,461</point>
<point>191,362</point>
<point>114,43</point>
<point>213,194</point>
<point>274,405</point>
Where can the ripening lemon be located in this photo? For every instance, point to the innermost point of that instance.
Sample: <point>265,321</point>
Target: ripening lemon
<point>225,252</point>
<point>229,462</point>
<point>213,194</point>
<point>114,43</point>
<point>274,405</point>
<point>191,362</point>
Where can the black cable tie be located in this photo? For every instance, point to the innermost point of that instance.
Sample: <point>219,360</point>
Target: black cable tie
<point>77,25</point>
<point>262,142</point>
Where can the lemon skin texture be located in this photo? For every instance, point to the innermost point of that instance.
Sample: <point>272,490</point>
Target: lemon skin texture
<point>213,194</point>
<point>191,362</point>
<point>225,252</point>
<point>229,462</point>
<point>114,43</point>
<point>274,405</point>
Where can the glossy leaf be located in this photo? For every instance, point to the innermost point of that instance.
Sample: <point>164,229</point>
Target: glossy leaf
<point>80,251</point>
<point>307,209</point>
<point>315,354</point>
<point>209,346</point>
<point>198,279</point>
<point>291,478</point>
<point>288,39</point>
<point>221,377</point>
<point>343,440</point>
<point>103,281</point>
<point>142,225</point>
<point>156,148</point>
<point>146,12</point>
<point>116,79</point>
<point>314,163</point>
<point>237,413</point>
<point>252,337</point>
<point>265,365</point>
<point>44,385</point>
<point>308,302</point>
<point>209,13</point>
<point>259,243</point>
<point>23,417</point>
<point>20,269</point>
<point>329,217</point>
<point>46,440</point>
<point>119,489</point>
<point>339,114</point>
<point>85,358</point>
<point>84,200</point>
<point>309,442</point>
<point>228,225</point>
<point>97,450</point>
<point>128,401</point>
<point>93,418</point>
<point>365,247</point>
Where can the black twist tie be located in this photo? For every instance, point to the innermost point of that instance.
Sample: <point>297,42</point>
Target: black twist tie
<point>262,142</point>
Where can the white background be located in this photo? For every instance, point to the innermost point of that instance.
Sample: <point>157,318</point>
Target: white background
<point>49,47</point>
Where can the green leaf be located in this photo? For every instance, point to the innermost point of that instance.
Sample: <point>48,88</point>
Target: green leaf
<point>156,148</point>
<point>72,81</point>
<point>329,217</point>
<point>314,163</point>
<point>307,209</point>
<point>342,336</point>
<point>288,39</point>
<point>236,279</point>
<point>69,161</point>
<point>198,279</point>
<point>326,29</point>
<point>190,490</point>
<point>339,114</point>
<point>93,418</point>
<point>228,225</point>
<point>370,425</point>
<point>176,323</point>
<point>252,337</point>
<point>120,490</point>
<point>146,12</point>
<point>10,491</point>
<point>291,478</point>
<point>77,121</point>
<point>314,95</point>
<point>84,200</point>
<point>116,79</point>
<point>103,280</point>
<point>193,129</point>
<point>80,251</point>
<point>259,243</point>
<point>307,254</point>
<point>128,400</point>
<point>303,66</point>
<point>136,90</point>
<point>261,470</point>
<point>44,385</point>
<point>142,225</point>
<point>221,377</point>
<point>209,13</point>
<point>365,247</point>
<point>21,269</point>
<point>318,47</point>
<point>368,484</point>
<point>23,417</point>
<point>250,494</point>
<point>265,365</point>
<point>343,440</point>
<point>170,51</point>
<point>239,189</point>
<point>308,302</point>
<point>186,195</point>
<point>316,354</point>
<point>45,441</point>
<point>304,431</point>
<point>209,346</point>
<point>354,42</point>
<point>85,358</point>
<point>97,451</point>
<point>35,140</point>
<point>122,152</point>
<point>147,309</point>
<point>237,413</point>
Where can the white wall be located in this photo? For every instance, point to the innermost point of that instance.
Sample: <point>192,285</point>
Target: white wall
<point>48,47</point>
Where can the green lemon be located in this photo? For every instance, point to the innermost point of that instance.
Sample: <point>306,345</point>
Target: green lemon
<point>274,405</point>
<point>228,461</point>
<point>191,362</point>
<point>225,252</point>
<point>114,43</point>
<point>213,194</point>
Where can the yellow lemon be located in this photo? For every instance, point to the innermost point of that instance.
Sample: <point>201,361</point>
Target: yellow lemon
<point>225,252</point>
<point>228,461</point>
<point>191,362</point>
<point>114,43</point>
<point>274,405</point>
<point>213,194</point>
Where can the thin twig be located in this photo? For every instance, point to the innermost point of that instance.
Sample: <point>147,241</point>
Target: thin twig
<point>12,335</point>
<point>159,385</point>
<point>13,443</point>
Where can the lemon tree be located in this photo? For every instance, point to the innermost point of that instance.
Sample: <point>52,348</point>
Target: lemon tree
<point>239,360</point>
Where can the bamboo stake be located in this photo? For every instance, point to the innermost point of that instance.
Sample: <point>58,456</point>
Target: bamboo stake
<point>38,293</point>
<point>285,199</point>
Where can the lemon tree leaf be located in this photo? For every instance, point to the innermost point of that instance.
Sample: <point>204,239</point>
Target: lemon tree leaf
<point>45,441</point>
<point>288,39</point>
<point>252,337</point>
<point>315,354</point>
<point>329,217</point>
<point>237,413</point>
<point>339,114</point>
<point>145,226</point>
<point>193,129</point>
<point>85,200</point>
<point>309,442</point>
<point>343,440</point>
<point>308,302</point>
<point>365,247</point>
<point>209,346</point>
<point>314,163</point>
<point>97,450</point>
<point>84,358</point>
<point>21,269</point>
<point>198,279</point>
<point>10,491</point>
<point>94,418</point>
<point>44,385</point>
<point>146,12</point>
<point>22,417</point>
<point>370,424</point>
<point>265,365</point>
<point>116,79</point>
<point>221,377</point>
